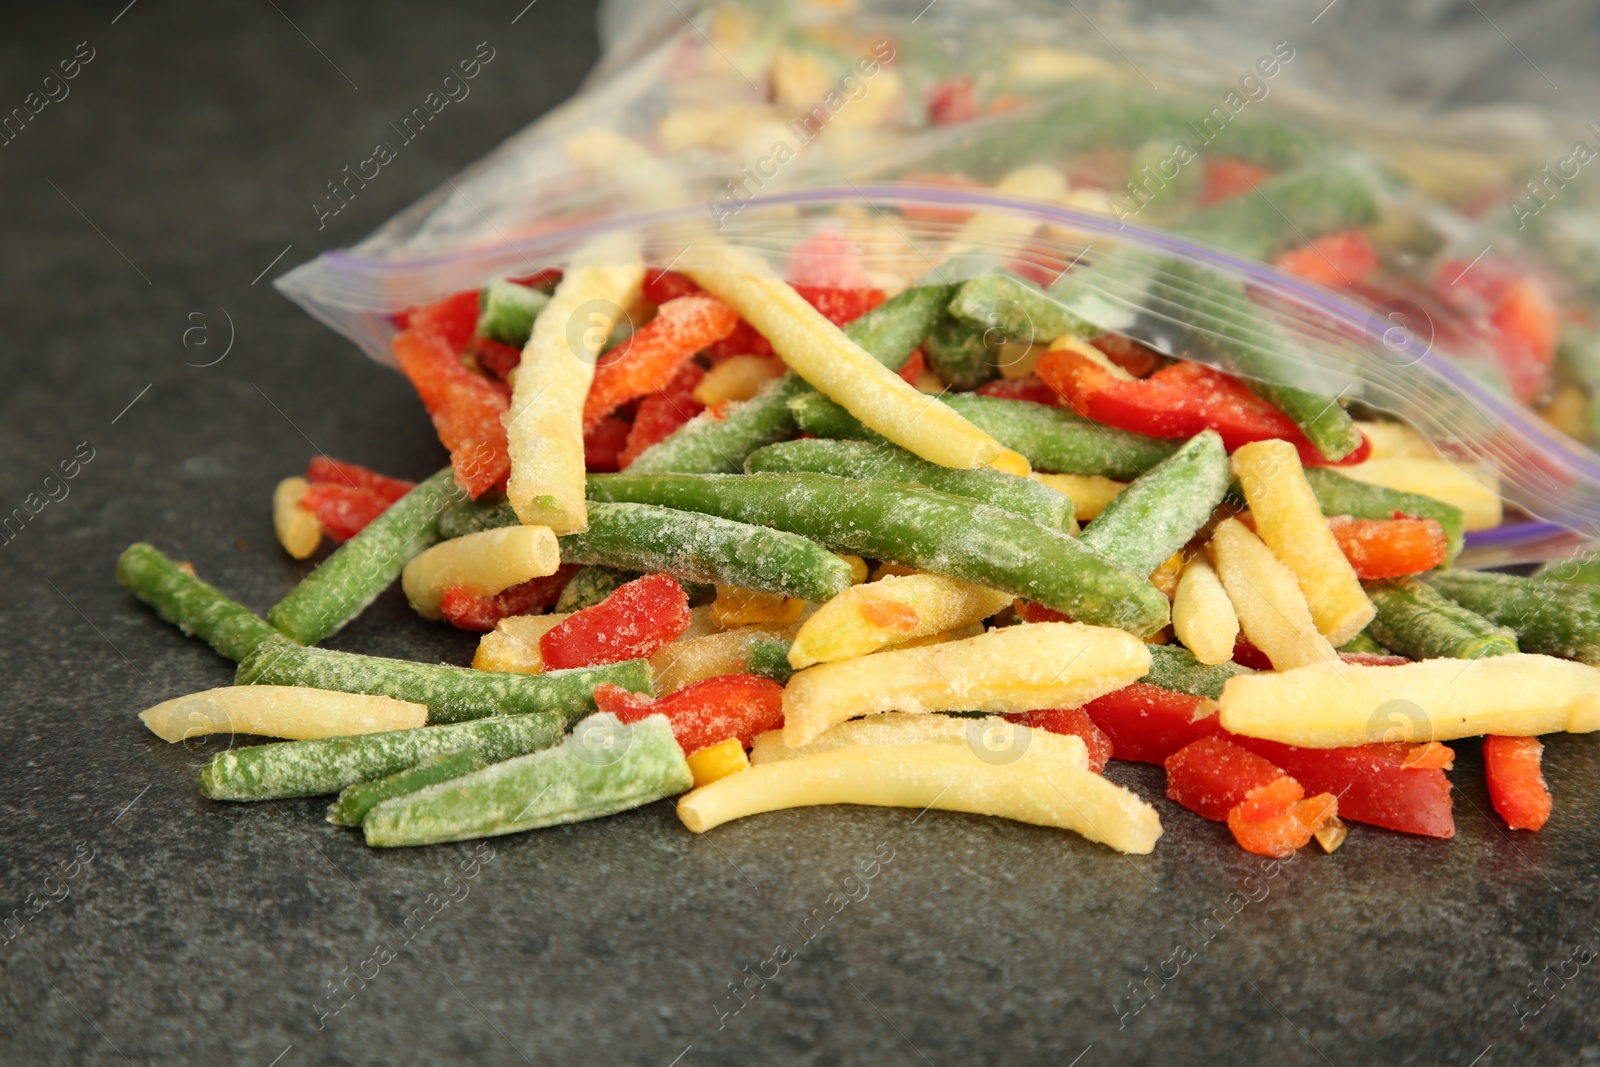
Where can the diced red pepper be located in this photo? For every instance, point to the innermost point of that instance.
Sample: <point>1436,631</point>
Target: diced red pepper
<point>1247,655</point>
<point>705,713</point>
<point>1212,776</point>
<point>646,362</point>
<point>343,510</point>
<point>1527,325</point>
<point>914,366</point>
<point>1147,723</point>
<point>498,359</point>
<point>453,319</point>
<point>952,100</point>
<point>840,306</point>
<point>546,279</point>
<point>1130,355</point>
<point>469,611</point>
<point>465,407</point>
<point>1033,611</point>
<point>826,261</point>
<point>1029,388</point>
<point>745,340</point>
<point>661,286</point>
<point>1074,721</point>
<point>603,444</point>
<point>1281,833</point>
<point>1177,401</point>
<point>1334,260</point>
<point>635,620</point>
<point>662,413</point>
<point>338,472</point>
<point>1375,784</point>
<point>1227,177</point>
<point>1389,548</point>
<point>1516,786</point>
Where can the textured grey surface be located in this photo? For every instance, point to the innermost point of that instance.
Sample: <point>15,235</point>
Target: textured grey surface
<point>194,143</point>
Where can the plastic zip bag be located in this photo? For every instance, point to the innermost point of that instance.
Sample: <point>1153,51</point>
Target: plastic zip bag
<point>934,143</point>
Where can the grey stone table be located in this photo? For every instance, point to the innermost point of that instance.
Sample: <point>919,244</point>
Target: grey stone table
<point>144,213</point>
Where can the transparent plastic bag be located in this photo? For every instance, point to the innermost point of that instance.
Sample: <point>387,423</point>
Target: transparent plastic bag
<point>955,139</point>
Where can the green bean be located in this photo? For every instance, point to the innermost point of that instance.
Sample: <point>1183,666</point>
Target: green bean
<point>590,586</point>
<point>1163,508</point>
<point>1415,621</point>
<point>474,516</point>
<point>626,540</point>
<point>889,463</point>
<point>1175,667</point>
<point>1363,643</point>
<point>356,800</point>
<point>768,657</point>
<point>960,353</point>
<point>704,548</point>
<point>604,767</point>
<point>1326,197</point>
<point>1552,618</point>
<point>1015,309</point>
<point>1341,495</point>
<point>190,604</point>
<point>1575,571</point>
<point>452,694</point>
<point>329,764</point>
<point>1053,439</point>
<point>506,312</point>
<point>364,566</point>
<point>705,444</point>
<point>919,528</point>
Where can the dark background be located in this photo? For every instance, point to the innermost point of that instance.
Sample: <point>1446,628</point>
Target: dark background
<point>185,159</point>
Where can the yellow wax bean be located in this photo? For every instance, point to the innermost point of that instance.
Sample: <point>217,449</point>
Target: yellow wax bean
<point>866,618</point>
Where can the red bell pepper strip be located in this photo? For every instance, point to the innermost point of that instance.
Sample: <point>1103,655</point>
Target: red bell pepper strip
<point>634,621</point>
<point>1212,776</point>
<point>454,319</point>
<point>662,413</point>
<point>1074,721</point>
<point>1376,784</point>
<point>603,445</point>
<point>1177,401</point>
<point>1147,723</point>
<point>915,364</point>
<point>1028,388</point>
<point>661,286</point>
<point>1227,177</point>
<point>707,712</point>
<point>469,611</point>
<point>1527,326</point>
<point>1247,655</point>
<point>1516,786</point>
<point>1389,548</point>
<point>952,100</point>
<point>498,359</point>
<point>1281,833</point>
<point>1033,611</point>
<point>343,510</point>
<point>743,341</point>
<point>1334,260</point>
<point>646,362</point>
<point>546,279</point>
<point>465,408</point>
<point>1128,354</point>
<point>840,306</point>
<point>338,472</point>
<point>825,260</point>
